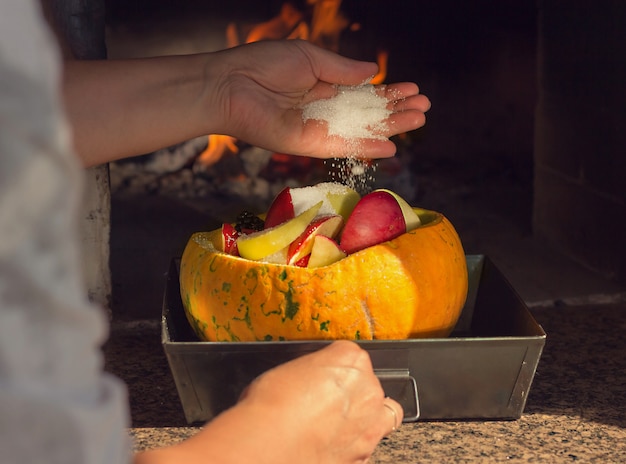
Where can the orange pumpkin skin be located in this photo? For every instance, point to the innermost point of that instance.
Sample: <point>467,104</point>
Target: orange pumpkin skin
<point>413,286</point>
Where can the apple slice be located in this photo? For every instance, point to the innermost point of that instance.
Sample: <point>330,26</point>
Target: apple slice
<point>376,218</point>
<point>411,218</point>
<point>291,201</point>
<point>266,242</point>
<point>229,239</point>
<point>280,257</point>
<point>303,262</point>
<point>328,225</point>
<point>341,198</point>
<point>325,252</point>
<point>337,198</point>
<point>281,209</point>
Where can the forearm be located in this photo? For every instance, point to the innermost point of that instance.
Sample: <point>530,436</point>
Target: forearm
<point>121,108</point>
<point>238,435</point>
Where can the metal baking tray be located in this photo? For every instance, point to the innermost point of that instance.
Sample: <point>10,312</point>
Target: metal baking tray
<point>484,370</point>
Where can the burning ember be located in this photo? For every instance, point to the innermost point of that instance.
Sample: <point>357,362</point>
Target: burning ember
<point>326,24</point>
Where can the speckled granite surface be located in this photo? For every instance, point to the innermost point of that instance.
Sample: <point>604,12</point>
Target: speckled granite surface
<point>576,410</point>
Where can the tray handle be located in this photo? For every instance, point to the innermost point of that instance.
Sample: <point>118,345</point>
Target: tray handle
<point>402,387</point>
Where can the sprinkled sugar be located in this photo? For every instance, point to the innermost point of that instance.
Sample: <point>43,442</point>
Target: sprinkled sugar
<point>354,113</point>
<point>358,174</point>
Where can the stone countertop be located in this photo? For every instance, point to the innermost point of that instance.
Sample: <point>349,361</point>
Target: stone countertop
<point>576,409</point>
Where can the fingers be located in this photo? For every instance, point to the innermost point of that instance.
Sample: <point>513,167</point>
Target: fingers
<point>404,96</point>
<point>408,107</point>
<point>393,413</point>
<point>398,90</point>
<point>414,102</point>
<point>350,414</point>
<point>346,353</point>
<point>336,69</point>
<point>351,355</point>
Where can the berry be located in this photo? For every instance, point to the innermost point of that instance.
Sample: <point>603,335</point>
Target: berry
<point>248,222</point>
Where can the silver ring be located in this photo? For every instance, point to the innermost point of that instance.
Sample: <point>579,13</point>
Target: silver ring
<point>395,416</point>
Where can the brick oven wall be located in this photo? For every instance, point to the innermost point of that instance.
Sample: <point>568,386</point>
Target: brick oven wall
<point>580,141</point>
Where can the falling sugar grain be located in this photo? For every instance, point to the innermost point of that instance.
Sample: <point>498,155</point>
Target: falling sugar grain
<point>356,173</point>
<point>355,113</point>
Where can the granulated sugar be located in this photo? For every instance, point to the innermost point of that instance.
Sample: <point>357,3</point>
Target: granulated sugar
<point>356,173</point>
<point>354,113</point>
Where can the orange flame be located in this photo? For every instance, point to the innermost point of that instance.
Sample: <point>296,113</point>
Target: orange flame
<point>382,60</point>
<point>282,26</point>
<point>217,147</point>
<point>327,23</point>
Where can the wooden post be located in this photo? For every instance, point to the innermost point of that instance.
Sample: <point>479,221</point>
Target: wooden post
<point>80,25</point>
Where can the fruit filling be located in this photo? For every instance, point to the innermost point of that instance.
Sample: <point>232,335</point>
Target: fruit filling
<point>318,225</point>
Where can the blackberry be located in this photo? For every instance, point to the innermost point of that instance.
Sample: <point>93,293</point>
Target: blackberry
<point>248,222</point>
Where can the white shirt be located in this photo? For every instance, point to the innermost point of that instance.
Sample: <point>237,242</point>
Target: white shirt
<point>56,403</point>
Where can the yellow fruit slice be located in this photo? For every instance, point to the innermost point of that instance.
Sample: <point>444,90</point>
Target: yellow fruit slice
<point>343,199</point>
<point>258,245</point>
<point>325,251</point>
<point>411,219</point>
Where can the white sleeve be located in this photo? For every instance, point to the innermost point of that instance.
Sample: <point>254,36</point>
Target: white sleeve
<point>56,403</point>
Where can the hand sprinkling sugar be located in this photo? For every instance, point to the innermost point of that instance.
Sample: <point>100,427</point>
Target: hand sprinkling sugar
<point>354,113</point>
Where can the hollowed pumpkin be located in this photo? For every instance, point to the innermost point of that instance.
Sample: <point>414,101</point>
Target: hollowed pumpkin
<point>412,286</point>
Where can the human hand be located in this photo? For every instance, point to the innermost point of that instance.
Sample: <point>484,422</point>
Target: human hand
<point>327,406</point>
<point>263,85</point>
<point>253,92</point>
